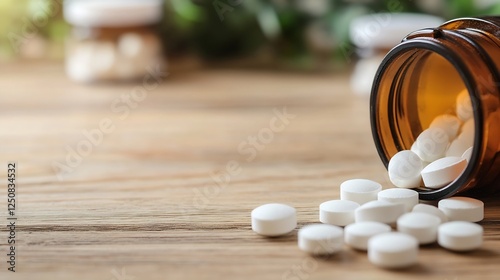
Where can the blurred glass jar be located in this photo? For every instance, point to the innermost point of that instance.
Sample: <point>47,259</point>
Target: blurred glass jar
<point>112,40</point>
<point>374,35</point>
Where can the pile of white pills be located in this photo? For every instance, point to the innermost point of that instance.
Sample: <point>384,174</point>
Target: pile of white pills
<point>364,219</point>
<point>440,153</point>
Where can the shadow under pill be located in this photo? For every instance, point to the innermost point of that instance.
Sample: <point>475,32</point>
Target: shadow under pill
<point>289,237</point>
<point>418,268</point>
<point>477,253</point>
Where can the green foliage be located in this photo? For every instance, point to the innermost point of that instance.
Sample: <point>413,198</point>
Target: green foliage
<point>296,31</point>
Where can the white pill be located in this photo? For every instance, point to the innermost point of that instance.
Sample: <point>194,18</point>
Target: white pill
<point>409,198</point>
<point>467,132</point>
<point>357,235</point>
<point>414,149</point>
<point>379,211</point>
<point>457,147</point>
<point>460,236</point>
<point>422,226</point>
<point>393,250</point>
<point>464,105</point>
<point>359,190</point>
<point>430,209</point>
<point>462,209</point>
<point>404,169</point>
<point>467,154</point>
<point>337,212</point>
<point>431,144</point>
<point>130,44</point>
<point>274,219</point>
<point>321,239</point>
<point>79,63</point>
<point>443,171</point>
<point>468,127</point>
<point>449,123</point>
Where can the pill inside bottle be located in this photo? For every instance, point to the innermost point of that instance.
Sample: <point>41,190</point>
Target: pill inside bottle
<point>437,94</point>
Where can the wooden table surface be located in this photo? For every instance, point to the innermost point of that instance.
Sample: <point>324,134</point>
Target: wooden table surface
<point>165,188</point>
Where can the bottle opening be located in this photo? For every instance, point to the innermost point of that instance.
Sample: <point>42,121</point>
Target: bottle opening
<point>422,104</point>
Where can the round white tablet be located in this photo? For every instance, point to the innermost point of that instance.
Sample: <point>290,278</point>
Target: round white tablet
<point>430,209</point>
<point>321,239</point>
<point>337,212</point>
<point>467,154</point>
<point>404,169</point>
<point>408,198</point>
<point>357,235</point>
<point>462,209</point>
<point>273,219</point>
<point>431,144</point>
<point>422,226</point>
<point>460,236</point>
<point>457,147</point>
<point>450,123</point>
<point>359,190</point>
<point>443,171</point>
<point>467,132</point>
<point>379,211</point>
<point>130,44</point>
<point>464,105</point>
<point>393,250</point>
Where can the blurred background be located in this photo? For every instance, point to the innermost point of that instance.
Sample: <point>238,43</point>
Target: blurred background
<point>148,164</point>
<point>286,34</point>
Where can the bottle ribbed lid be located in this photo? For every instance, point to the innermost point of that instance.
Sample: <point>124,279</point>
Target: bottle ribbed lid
<point>112,13</point>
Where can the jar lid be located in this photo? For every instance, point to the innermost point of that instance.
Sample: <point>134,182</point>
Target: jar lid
<point>112,13</point>
<point>386,30</point>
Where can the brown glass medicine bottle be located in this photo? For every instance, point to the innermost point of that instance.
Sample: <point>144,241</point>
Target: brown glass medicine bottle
<point>420,79</point>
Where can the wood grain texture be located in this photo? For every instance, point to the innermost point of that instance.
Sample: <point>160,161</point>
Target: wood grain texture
<point>143,203</point>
